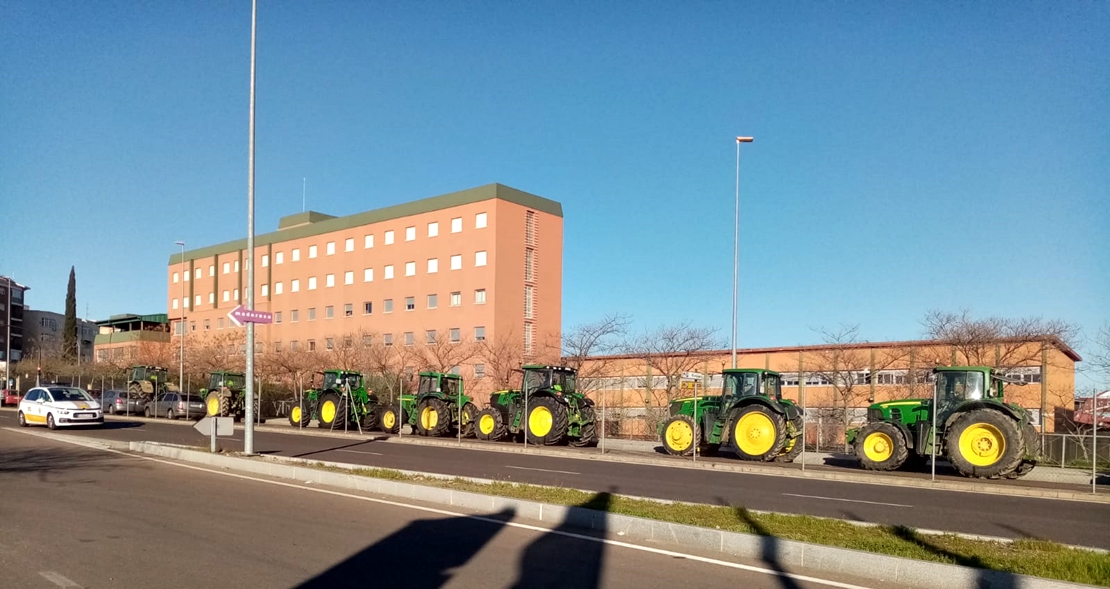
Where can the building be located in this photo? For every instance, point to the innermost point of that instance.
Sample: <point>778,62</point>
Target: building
<point>464,267</point>
<point>44,330</point>
<point>133,339</point>
<point>11,323</point>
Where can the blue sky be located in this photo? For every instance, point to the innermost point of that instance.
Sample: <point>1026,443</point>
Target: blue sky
<point>908,156</point>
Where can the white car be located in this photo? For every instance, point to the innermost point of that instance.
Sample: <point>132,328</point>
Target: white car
<point>58,406</point>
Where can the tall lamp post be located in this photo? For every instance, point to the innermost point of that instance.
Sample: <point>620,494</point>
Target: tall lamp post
<point>181,360</point>
<point>736,246</point>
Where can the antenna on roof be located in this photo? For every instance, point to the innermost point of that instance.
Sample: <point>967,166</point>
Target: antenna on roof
<point>304,181</point>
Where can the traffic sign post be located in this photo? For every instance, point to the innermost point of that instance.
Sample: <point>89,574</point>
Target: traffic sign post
<point>215,426</point>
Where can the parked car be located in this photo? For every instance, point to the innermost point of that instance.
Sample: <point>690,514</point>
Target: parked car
<point>174,405</point>
<point>122,403</point>
<point>57,406</point>
<point>9,397</point>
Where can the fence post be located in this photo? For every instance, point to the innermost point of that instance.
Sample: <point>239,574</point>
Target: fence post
<point>1063,451</point>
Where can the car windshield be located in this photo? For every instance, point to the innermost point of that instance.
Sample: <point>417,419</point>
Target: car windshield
<point>69,394</point>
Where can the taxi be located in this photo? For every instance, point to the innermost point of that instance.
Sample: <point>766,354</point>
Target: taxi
<point>59,406</point>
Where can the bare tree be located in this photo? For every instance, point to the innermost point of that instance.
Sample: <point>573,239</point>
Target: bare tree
<point>586,346</point>
<point>503,356</point>
<point>1100,359</point>
<point>441,354</point>
<point>999,342</point>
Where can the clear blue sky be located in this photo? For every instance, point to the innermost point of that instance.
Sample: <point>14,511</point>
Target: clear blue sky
<point>908,156</point>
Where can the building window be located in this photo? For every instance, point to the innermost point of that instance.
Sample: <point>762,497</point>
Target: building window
<point>211,298</point>
<point>368,275</point>
<point>211,270</point>
<point>528,338</point>
<point>387,339</point>
<point>349,245</point>
<point>277,346</point>
<point>277,288</point>
<point>456,335</point>
<point>175,303</point>
<point>265,290</point>
<point>329,312</point>
<point>196,300</point>
<point>294,315</point>
<point>456,225</point>
<point>529,264</point>
<point>479,371</point>
<point>293,345</point>
<point>367,308</point>
<point>480,333</point>
<point>312,313</point>
<point>433,265</point>
<point>185,302</point>
<point>296,254</point>
<point>236,265</point>
<point>207,325</point>
<point>311,252</point>
<point>456,299</point>
<point>433,301</point>
<point>236,294</point>
<point>410,303</point>
<point>219,323</point>
<point>480,296</point>
<point>433,229</point>
<point>178,327</point>
<point>311,283</point>
<point>410,268</point>
<point>410,233</point>
<point>331,248</point>
<point>410,339</point>
<point>227,295</point>
<point>389,272</point>
<point>348,310</point>
<point>279,258</point>
<point>367,340</point>
<point>456,262</point>
<point>295,285</point>
<point>480,221</point>
<point>367,241</point>
<point>197,273</point>
<point>311,345</point>
<point>227,268</point>
<point>348,277</point>
<point>430,336</point>
<point>186,275</point>
<point>329,343</point>
<point>389,305</point>
<point>329,280</point>
<point>389,237</point>
<point>175,277</point>
<point>277,317</point>
<point>265,260</point>
<point>480,258</point>
<point>529,295</point>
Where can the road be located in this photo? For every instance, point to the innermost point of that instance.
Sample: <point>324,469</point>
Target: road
<point>75,517</point>
<point>1069,522</point>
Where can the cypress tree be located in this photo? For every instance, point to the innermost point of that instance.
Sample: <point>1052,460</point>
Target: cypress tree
<point>69,341</point>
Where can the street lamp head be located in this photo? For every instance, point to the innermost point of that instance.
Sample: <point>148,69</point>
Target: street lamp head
<point>745,139</point>
<point>179,243</point>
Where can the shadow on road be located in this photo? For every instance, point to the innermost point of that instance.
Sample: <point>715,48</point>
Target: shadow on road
<point>333,449</point>
<point>53,460</point>
<point>987,578</point>
<point>560,558</point>
<point>422,555</point>
<point>769,548</point>
<point>109,425</point>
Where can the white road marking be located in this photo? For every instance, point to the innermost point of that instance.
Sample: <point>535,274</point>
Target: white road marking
<point>648,549</point>
<point>846,500</point>
<point>543,470</point>
<point>361,452</point>
<point>58,579</point>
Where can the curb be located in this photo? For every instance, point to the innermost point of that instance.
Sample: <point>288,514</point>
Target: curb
<point>901,572</point>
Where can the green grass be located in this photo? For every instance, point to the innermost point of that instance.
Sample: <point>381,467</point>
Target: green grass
<point>1026,557</point>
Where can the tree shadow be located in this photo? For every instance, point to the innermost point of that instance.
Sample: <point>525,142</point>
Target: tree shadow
<point>333,449</point>
<point>987,577</point>
<point>769,548</point>
<point>51,460</point>
<point>422,555</point>
<point>108,425</point>
<point>561,558</point>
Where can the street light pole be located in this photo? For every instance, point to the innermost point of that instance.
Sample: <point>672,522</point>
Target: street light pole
<point>736,246</point>
<point>248,434</point>
<point>181,360</point>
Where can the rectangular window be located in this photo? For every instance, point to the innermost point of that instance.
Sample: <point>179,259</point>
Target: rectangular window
<point>277,288</point>
<point>410,268</point>
<point>410,339</point>
<point>178,327</point>
<point>185,302</point>
<point>348,277</point>
<point>387,339</point>
<point>211,270</point>
<point>410,303</point>
<point>389,305</point>
<point>348,310</point>
<point>219,323</point>
<point>389,237</point>
<point>349,245</point>
<point>480,221</point>
<point>480,333</point>
<point>294,315</point>
<point>528,338</point>
<point>456,335</point>
<point>480,296</point>
<point>456,225</point>
<point>367,308</point>
<point>480,258</point>
<point>236,265</point>
<point>368,275</point>
<point>312,313</point>
<point>197,273</point>
<point>175,303</point>
<point>433,229</point>
<point>277,316</point>
<point>329,280</point>
<point>236,294</point>
<point>211,298</point>
<point>479,371</point>
<point>389,272</point>
<point>433,301</point>
<point>410,233</point>
<point>311,283</point>
<point>311,345</point>
<point>367,340</point>
<point>331,248</point>
<point>433,265</point>
<point>265,260</point>
<point>227,267</point>
<point>277,346</point>
<point>196,300</point>
<point>456,262</point>
<point>265,290</point>
<point>175,277</point>
<point>227,295</point>
<point>295,285</point>
<point>279,258</point>
<point>529,264</point>
<point>456,299</point>
<point>367,241</point>
<point>329,343</point>
<point>529,294</point>
<point>293,345</point>
<point>296,254</point>
<point>207,324</point>
<point>186,275</point>
<point>311,252</point>
<point>430,336</point>
<point>329,312</point>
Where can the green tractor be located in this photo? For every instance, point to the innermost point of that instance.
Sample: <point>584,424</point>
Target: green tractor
<point>556,411</point>
<point>751,414</point>
<point>980,434</point>
<point>148,382</point>
<point>225,395</point>
<point>337,399</point>
<point>435,409</point>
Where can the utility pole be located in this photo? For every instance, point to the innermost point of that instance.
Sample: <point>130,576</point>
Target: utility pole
<point>248,434</point>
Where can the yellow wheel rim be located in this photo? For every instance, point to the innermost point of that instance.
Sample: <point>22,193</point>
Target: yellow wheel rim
<point>539,421</point>
<point>982,444</point>
<point>429,417</point>
<point>296,414</point>
<point>755,433</point>
<point>878,447</point>
<point>389,419</point>
<point>327,412</point>
<point>680,436</point>
<point>213,405</point>
<point>485,424</point>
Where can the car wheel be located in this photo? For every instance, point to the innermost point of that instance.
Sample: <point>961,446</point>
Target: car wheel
<point>170,414</point>
<point>22,420</point>
<point>146,412</point>
<point>50,422</point>
<point>112,409</point>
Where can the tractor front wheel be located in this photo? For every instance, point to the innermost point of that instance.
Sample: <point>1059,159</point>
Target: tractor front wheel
<point>333,411</point>
<point>299,415</point>
<point>489,425</point>
<point>467,418</point>
<point>985,444</point>
<point>546,422</point>
<point>680,434</point>
<point>758,433</point>
<point>587,432</point>
<point>392,419</point>
<point>433,418</point>
<point>217,404</point>
<point>881,446</point>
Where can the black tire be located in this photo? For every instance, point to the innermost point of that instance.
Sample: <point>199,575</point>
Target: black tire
<point>433,417</point>
<point>557,432</point>
<point>794,445</point>
<point>335,405</point>
<point>146,411</point>
<point>587,437</point>
<point>490,425</point>
<point>299,415</point>
<point>112,409</point>
<point>50,421</point>
<point>22,420</point>
<point>966,433</point>
<point>392,413</point>
<point>371,420</point>
<point>467,418</point>
<point>1032,452</point>
<point>881,446</point>
<point>767,434</point>
<point>675,433</point>
<point>134,389</point>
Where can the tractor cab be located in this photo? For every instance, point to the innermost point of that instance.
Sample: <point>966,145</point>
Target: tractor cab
<point>234,381</point>
<point>749,382</point>
<point>338,380</point>
<point>438,382</point>
<point>151,373</point>
<point>560,379</point>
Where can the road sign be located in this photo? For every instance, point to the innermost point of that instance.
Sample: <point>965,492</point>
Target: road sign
<point>225,426</point>
<point>239,316</point>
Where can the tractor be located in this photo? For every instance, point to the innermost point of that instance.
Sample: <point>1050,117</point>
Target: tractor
<point>548,402</point>
<point>336,399</point>
<point>225,394</point>
<point>435,409</point>
<point>148,382</point>
<point>980,434</point>
<point>751,414</point>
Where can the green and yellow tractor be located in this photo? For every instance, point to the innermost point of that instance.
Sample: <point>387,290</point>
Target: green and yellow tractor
<point>548,410</point>
<point>750,414</point>
<point>225,395</point>
<point>149,382</point>
<point>980,434</point>
<point>338,401</point>
<point>438,408</point>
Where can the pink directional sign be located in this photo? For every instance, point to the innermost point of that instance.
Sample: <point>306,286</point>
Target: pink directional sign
<point>239,316</point>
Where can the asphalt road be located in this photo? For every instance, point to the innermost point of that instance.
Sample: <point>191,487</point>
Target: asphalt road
<point>79,518</point>
<point>1069,522</point>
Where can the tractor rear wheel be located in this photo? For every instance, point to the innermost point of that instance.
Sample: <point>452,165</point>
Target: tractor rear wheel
<point>433,418</point>
<point>392,418</point>
<point>134,389</point>
<point>794,445</point>
<point>299,415</point>
<point>333,411</point>
<point>881,446</point>
<point>546,422</point>
<point>985,444</point>
<point>467,419</point>
<point>489,425</point>
<point>1032,452</point>
<point>758,433</point>
<point>680,434</point>
<point>587,432</point>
